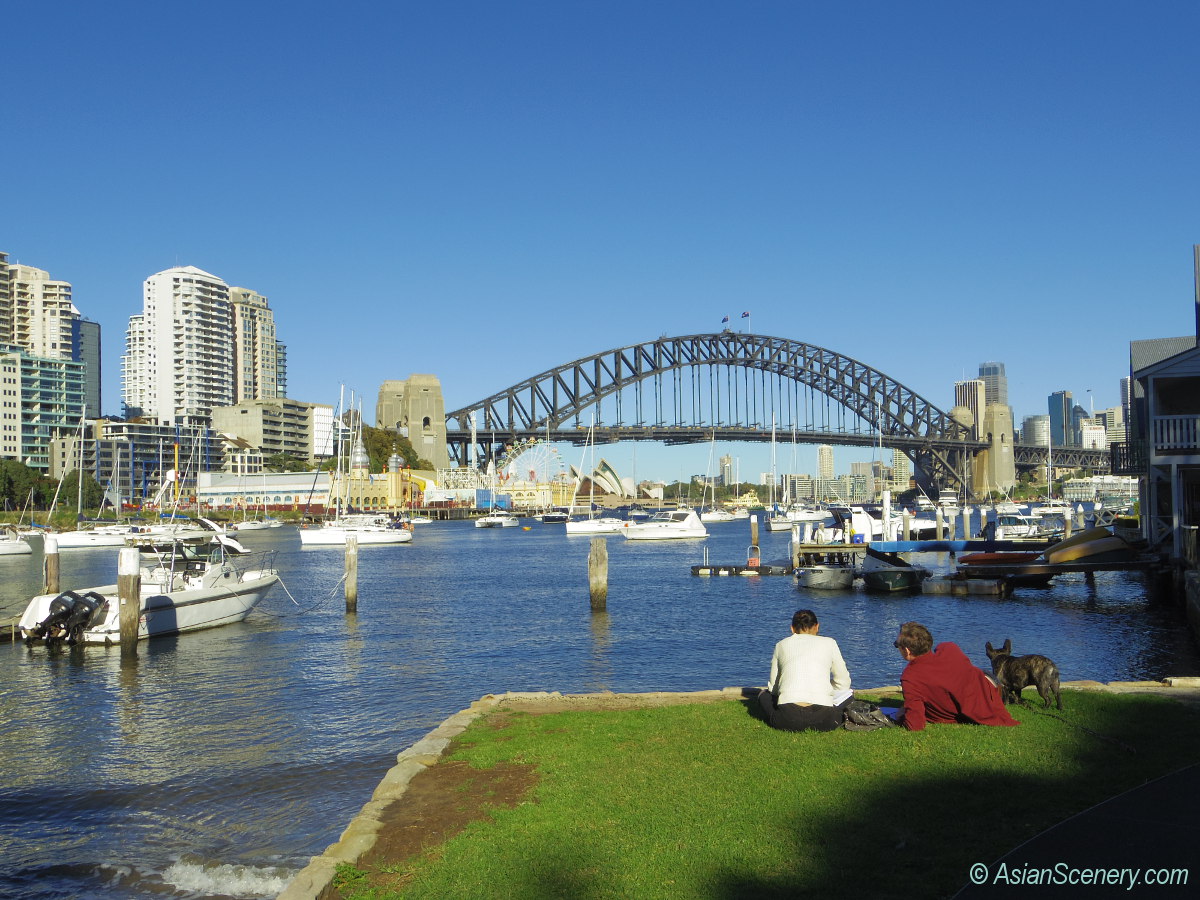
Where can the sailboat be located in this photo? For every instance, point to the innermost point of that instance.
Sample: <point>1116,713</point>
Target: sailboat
<point>711,513</point>
<point>367,528</point>
<point>593,524</point>
<point>258,524</point>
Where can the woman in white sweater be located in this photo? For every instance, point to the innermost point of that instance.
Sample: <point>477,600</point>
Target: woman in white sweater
<point>809,683</point>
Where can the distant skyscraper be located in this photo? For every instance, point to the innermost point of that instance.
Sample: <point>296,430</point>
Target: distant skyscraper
<point>825,462</point>
<point>1060,417</point>
<point>995,382</point>
<point>971,394</point>
<point>901,468</point>
<point>1035,430</point>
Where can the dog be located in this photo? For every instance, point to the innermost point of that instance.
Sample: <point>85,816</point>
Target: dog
<point>1015,673</point>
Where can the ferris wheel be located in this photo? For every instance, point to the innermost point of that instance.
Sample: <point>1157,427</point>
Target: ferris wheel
<point>533,461</point>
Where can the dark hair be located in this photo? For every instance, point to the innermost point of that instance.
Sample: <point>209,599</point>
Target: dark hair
<point>804,619</point>
<point>916,638</point>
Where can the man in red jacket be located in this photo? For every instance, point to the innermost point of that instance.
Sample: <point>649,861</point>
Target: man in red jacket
<point>943,685</point>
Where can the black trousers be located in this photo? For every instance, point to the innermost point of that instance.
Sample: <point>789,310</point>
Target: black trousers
<point>794,717</point>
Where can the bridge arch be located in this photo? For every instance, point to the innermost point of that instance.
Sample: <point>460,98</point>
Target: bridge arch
<point>773,370</point>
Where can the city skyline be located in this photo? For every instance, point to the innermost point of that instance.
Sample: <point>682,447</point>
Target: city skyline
<point>921,189</point>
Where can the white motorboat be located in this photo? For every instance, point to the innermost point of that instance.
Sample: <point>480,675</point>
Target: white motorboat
<point>99,536</point>
<point>825,578</point>
<point>498,518</point>
<point>667,525</point>
<point>368,529</point>
<point>255,525</point>
<point>717,515</point>
<point>1059,508</point>
<point>184,587</point>
<point>1012,525</point>
<point>12,544</point>
<point>598,525</point>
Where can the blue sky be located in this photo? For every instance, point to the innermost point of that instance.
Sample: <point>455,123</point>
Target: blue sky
<point>483,191</point>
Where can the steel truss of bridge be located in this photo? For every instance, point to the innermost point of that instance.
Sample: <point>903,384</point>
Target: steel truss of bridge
<point>672,390</point>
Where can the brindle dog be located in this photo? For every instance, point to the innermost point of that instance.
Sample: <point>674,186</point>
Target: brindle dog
<point>1014,673</point>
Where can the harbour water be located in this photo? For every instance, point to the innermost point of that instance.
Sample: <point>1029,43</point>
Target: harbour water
<point>219,762</point>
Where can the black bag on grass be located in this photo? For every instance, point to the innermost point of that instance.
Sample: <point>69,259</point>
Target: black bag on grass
<point>859,715</point>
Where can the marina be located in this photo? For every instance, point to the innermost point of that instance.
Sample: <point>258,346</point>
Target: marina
<point>220,761</point>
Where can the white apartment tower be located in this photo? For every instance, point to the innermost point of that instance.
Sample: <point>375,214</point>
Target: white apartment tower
<point>973,395</point>
<point>825,462</point>
<point>260,366</point>
<point>179,353</point>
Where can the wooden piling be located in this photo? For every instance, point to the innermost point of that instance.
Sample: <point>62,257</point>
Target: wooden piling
<point>966,522</point>
<point>352,573</point>
<point>129,598</point>
<point>50,565</point>
<point>598,574</point>
<point>906,525</point>
<point>754,530</point>
<point>939,523</point>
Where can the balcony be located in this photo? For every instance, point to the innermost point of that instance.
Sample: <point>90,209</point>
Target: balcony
<point>1128,458</point>
<point>1176,434</point>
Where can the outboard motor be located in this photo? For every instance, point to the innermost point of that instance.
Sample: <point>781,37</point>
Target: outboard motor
<point>54,627</point>
<point>83,612</point>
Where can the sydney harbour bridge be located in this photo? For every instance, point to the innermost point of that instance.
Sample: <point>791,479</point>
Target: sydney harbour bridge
<point>734,387</point>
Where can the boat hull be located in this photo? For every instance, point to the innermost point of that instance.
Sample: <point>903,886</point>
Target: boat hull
<point>336,536</point>
<point>890,580</point>
<point>825,578</point>
<point>597,526</point>
<point>225,601</point>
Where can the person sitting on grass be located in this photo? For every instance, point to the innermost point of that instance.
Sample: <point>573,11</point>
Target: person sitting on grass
<point>943,685</point>
<point>806,671</point>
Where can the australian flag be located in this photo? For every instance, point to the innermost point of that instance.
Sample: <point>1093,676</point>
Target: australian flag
<point>724,320</point>
<point>745,315</point>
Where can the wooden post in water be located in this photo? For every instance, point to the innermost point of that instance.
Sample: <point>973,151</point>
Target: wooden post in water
<point>939,525</point>
<point>906,525</point>
<point>966,522</point>
<point>598,574</point>
<point>129,598</point>
<point>352,573</point>
<point>754,530</point>
<point>952,528</point>
<point>1066,526</point>
<point>50,565</point>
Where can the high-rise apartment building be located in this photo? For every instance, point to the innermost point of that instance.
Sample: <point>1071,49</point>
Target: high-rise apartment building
<point>197,345</point>
<point>89,355</point>
<point>1060,418</point>
<point>971,394</point>
<point>43,320</point>
<point>995,382</point>
<point>256,350</point>
<point>824,462</point>
<point>179,359</point>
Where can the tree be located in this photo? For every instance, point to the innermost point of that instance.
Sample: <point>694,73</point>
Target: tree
<point>93,494</point>
<point>284,462</point>
<point>21,486</point>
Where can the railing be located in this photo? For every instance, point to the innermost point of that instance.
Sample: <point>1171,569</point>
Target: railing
<point>1128,458</point>
<point>1174,433</point>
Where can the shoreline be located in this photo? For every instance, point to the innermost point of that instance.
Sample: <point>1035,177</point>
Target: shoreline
<point>360,835</point>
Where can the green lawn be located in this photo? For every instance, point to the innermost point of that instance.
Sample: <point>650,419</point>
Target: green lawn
<point>704,800</point>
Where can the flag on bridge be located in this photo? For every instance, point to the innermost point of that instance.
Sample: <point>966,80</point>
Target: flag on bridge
<point>745,315</point>
<point>724,320</point>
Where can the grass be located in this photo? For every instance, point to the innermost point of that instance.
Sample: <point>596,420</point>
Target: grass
<point>704,800</point>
